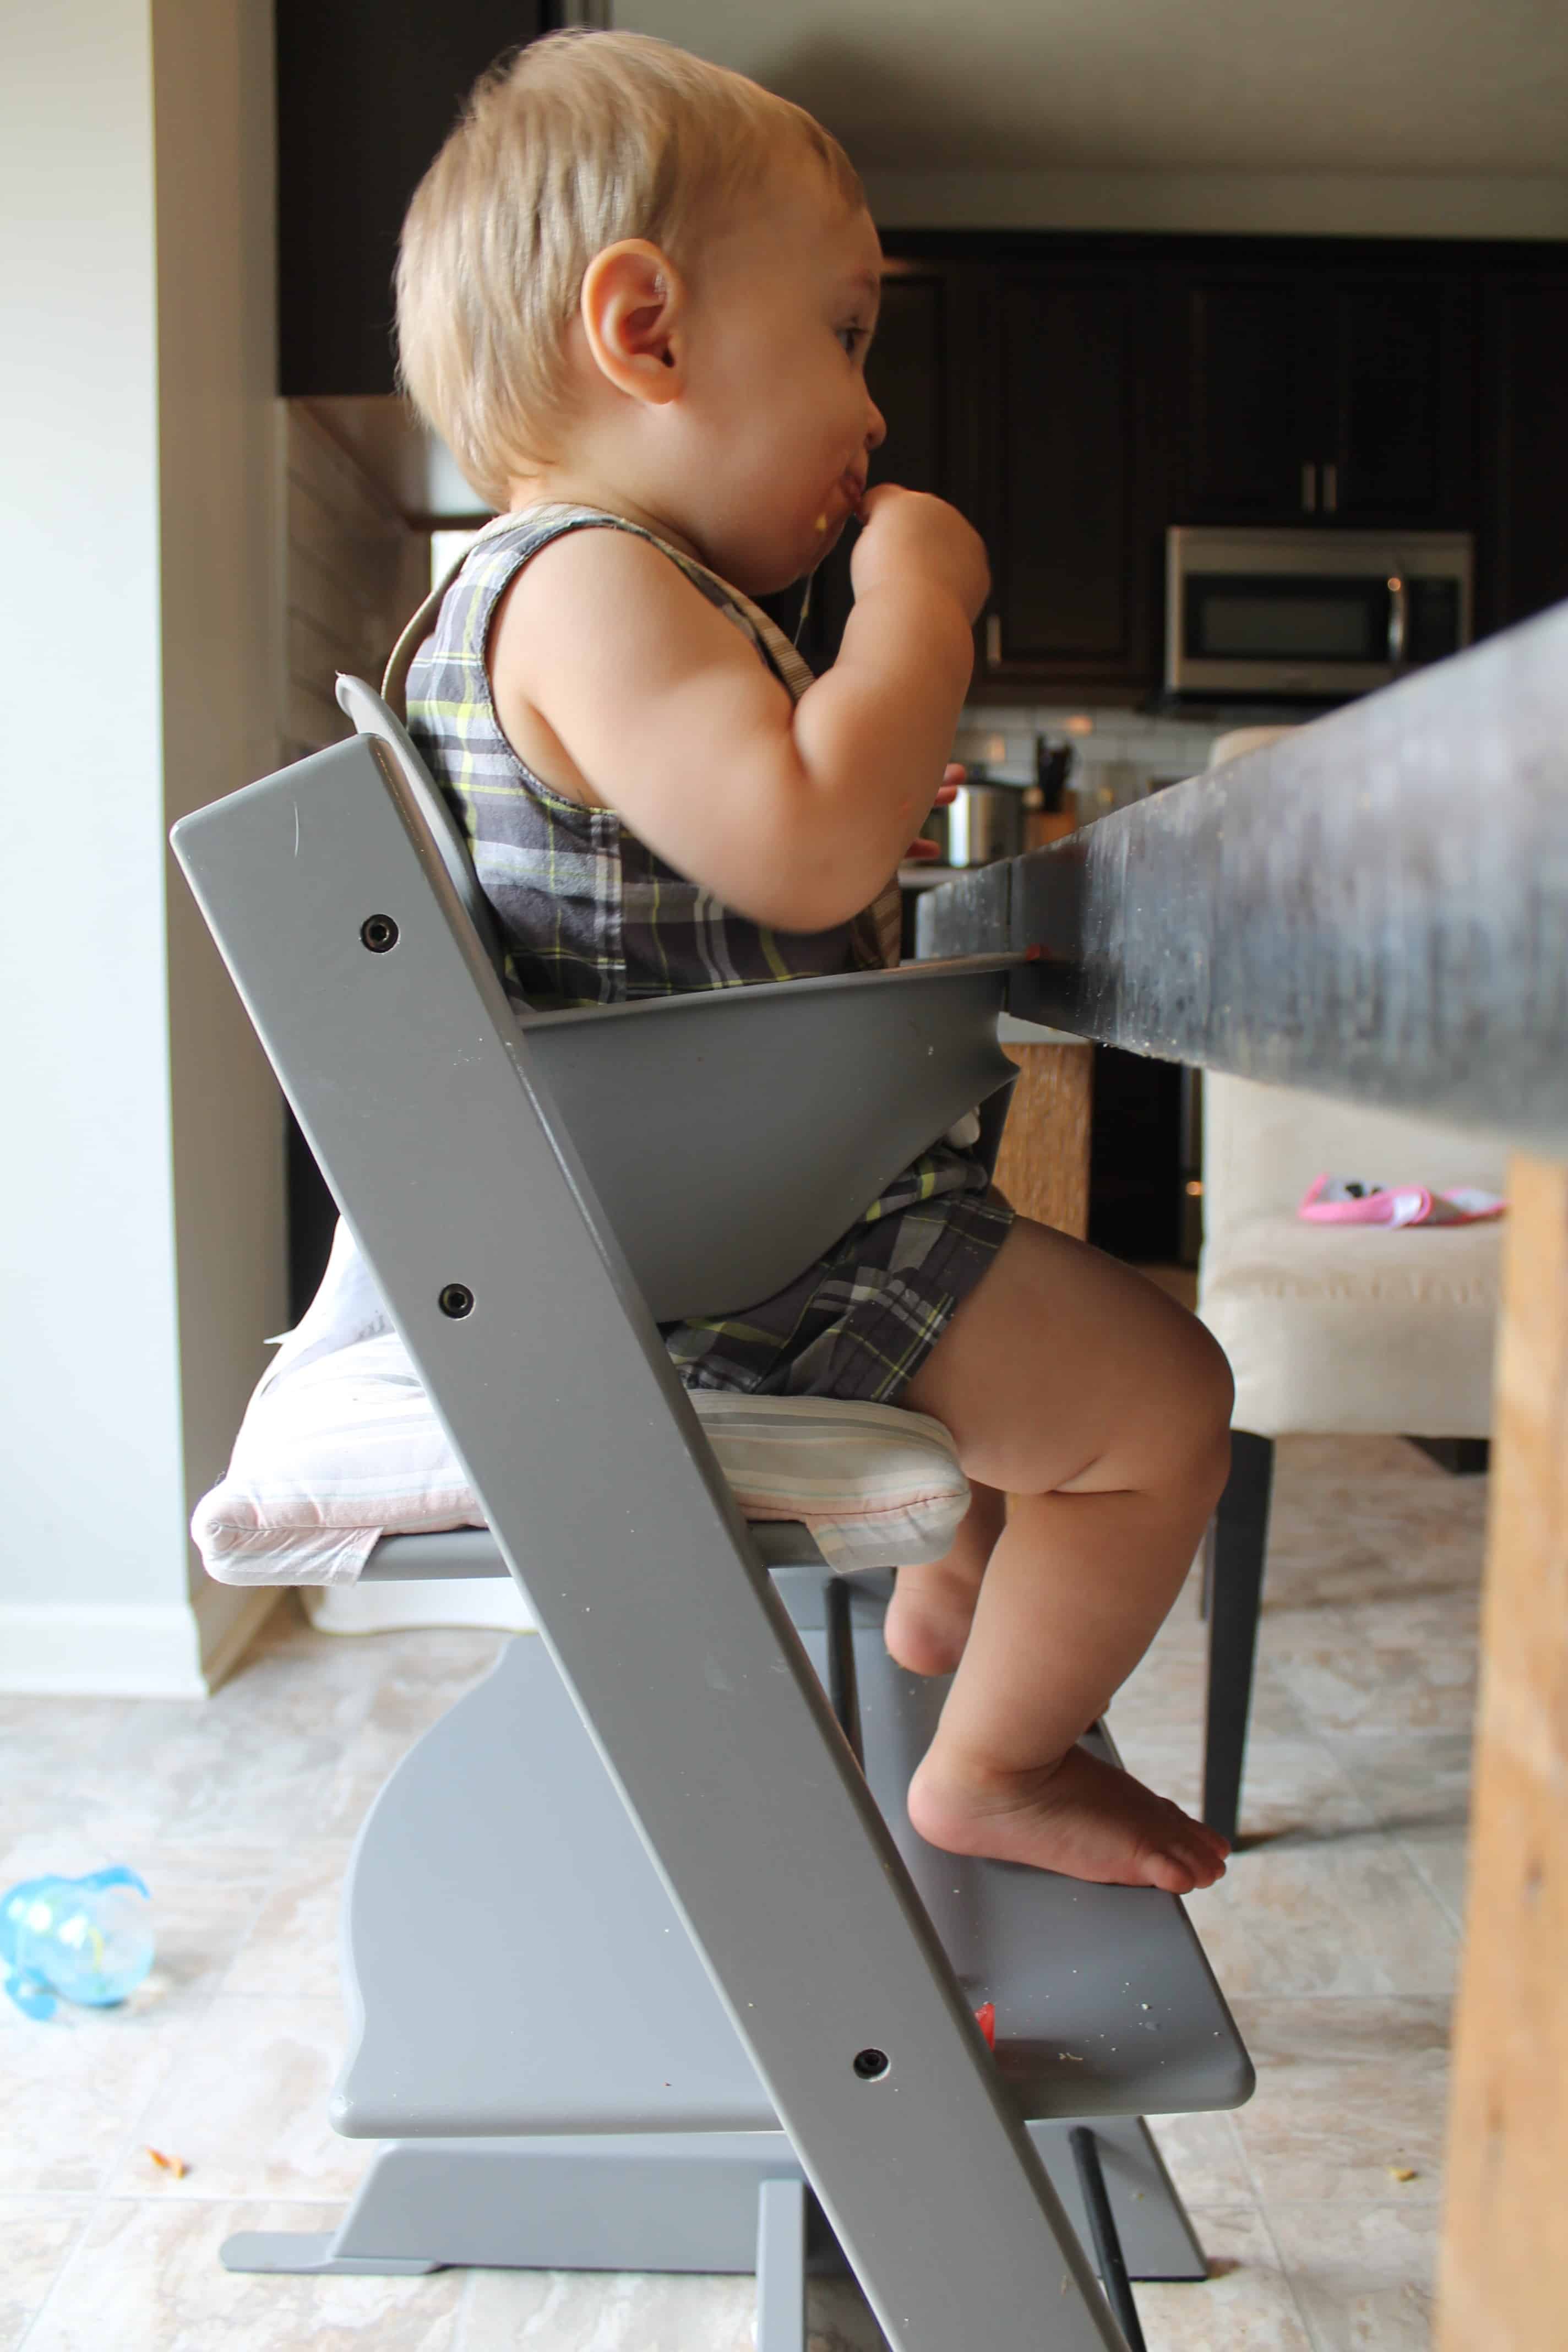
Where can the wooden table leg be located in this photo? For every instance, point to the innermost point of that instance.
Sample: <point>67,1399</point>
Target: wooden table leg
<point>1043,1165</point>
<point>1504,2285</point>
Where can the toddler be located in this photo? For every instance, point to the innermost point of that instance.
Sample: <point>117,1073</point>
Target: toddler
<point>634,296</point>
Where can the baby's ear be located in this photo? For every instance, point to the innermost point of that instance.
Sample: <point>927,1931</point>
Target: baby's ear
<point>632,308</point>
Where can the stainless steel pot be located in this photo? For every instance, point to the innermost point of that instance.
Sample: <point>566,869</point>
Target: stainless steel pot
<point>985,822</point>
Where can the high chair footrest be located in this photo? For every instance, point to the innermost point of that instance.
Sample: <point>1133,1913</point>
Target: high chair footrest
<point>514,1963</point>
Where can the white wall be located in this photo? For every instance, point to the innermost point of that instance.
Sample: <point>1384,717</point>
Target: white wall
<point>140,1189</point>
<point>1407,117</point>
<point>1224,203</point>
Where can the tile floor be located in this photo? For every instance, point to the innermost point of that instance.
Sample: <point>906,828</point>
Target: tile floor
<point>1336,1936</point>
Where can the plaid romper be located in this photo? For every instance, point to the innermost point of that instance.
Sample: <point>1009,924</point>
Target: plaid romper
<point>589,915</point>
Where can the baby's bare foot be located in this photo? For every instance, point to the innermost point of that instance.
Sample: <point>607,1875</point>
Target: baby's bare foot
<point>927,1619</point>
<point>1082,1817</point>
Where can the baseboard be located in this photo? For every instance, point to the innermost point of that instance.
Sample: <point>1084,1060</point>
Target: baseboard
<point>75,1651</point>
<point>85,1651</point>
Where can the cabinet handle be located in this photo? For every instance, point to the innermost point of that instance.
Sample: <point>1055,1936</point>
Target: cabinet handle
<point>1309,488</point>
<point>1331,488</point>
<point>1398,622</point>
<point>994,639</point>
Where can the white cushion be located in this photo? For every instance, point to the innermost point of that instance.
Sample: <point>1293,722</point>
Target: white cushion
<point>338,1450</point>
<point>1344,1328</point>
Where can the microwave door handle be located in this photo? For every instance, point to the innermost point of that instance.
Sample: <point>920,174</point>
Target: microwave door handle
<point>1398,622</point>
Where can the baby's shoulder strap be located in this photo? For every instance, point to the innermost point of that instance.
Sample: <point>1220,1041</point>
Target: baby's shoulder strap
<point>394,683</point>
<point>768,640</point>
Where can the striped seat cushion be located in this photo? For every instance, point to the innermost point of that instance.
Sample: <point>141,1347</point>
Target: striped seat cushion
<point>341,1449</point>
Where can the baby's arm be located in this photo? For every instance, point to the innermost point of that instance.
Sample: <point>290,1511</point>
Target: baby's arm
<point>794,816</point>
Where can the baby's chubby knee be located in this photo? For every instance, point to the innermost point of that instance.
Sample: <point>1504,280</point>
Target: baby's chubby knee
<point>1196,1394</point>
<point>1174,1397</point>
<point>1068,1370</point>
<point>1205,1370</point>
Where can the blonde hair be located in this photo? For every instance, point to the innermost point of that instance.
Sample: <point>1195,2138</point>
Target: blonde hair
<point>577,141</point>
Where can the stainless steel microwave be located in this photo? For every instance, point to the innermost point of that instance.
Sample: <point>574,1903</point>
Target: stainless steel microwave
<point>1312,613</point>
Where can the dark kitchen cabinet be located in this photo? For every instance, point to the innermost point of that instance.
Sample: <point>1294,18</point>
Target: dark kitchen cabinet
<point>1326,394</point>
<point>1402,399</point>
<point>365,98</point>
<point>1069,487</point>
<point>1250,417</point>
<point>1524,553</point>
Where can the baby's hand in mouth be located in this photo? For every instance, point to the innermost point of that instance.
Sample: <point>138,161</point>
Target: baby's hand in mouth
<point>852,489</point>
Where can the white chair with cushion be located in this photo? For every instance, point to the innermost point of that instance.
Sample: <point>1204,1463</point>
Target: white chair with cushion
<point>1332,1328</point>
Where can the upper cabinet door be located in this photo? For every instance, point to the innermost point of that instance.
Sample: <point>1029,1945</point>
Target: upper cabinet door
<point>365,98</point>
<point>1401,354</point>
<point>1256,434</point>
<point>1069,511</point>
<point>1524,546</point>
<point>1321,394</point>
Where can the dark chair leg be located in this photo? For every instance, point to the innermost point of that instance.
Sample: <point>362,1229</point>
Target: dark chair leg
<point>1108,2256</point>
<point>1240,1538</point>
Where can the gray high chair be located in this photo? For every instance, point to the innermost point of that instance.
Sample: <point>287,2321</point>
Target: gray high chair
<point>646,1968</point>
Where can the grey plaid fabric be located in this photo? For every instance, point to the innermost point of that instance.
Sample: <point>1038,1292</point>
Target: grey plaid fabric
<point>589,915</point>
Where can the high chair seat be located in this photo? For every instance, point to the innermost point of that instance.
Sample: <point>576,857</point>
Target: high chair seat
<point>341,1451</point>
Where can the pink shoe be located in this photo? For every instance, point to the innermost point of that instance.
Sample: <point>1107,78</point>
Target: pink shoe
<point>1341,1200</point>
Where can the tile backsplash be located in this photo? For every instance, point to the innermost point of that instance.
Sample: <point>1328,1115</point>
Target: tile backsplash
<point>1120,752</point>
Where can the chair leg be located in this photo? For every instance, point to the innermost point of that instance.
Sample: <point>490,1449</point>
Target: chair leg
<point>1205,1585</point>
<point>1239,1541</point>
<point>781,2266</point>
<point>1108,2256</point>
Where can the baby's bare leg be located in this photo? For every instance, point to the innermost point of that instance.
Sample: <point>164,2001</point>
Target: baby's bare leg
<point>932,1606</point>
<point>1102,1410</point>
